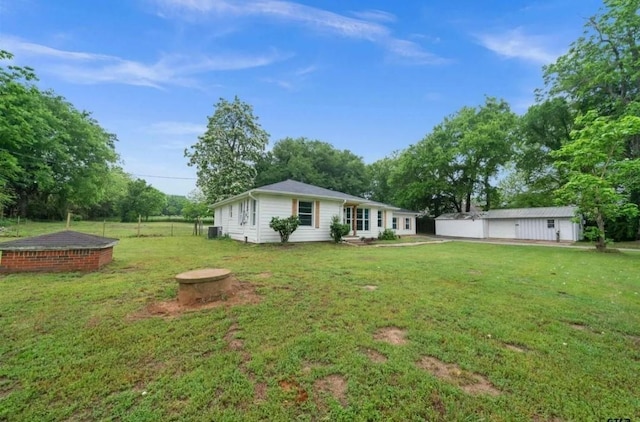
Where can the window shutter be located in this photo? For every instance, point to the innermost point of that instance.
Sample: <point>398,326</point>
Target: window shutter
<point>384,224</point>
<point>294,207</point>
<point>317,214</point>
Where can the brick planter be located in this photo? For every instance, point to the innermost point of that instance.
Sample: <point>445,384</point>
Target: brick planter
<point>56,252</point>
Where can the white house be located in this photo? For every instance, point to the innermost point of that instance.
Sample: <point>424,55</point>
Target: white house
<point>246,217</point>
<point>544,223</point>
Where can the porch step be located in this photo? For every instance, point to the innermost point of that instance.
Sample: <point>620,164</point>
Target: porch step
<point>355,240</point>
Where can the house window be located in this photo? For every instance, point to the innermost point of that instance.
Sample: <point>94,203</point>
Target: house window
<point>407,223</point>
<point>254,204</point>
<point>347,219</point>
<point>362,219</point>
<point>394,223</point>
<point>305,213</point>
<point>241,213</point>
<point>379,218</point>
<point>230,211</point>
<point>551,224</point>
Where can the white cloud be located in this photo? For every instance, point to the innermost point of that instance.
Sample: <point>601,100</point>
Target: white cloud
<point>90,68</point>
<point>515,44</point>
<point>367,27</point>
<point>375,15</point>
<point>306,70</point>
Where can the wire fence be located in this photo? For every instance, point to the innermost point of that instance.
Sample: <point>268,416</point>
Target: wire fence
<point>26,228</point>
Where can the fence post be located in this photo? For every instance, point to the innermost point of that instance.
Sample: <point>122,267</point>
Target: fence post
<point>139,220</point>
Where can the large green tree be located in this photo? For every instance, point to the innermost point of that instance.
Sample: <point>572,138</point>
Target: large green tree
<point>379,175</point>
<point>458,161</point>
<point>601,70</point>
<point>599,174</point>
<point>53,157</point>
<point>533,180</point>
<point>314,162</point>
<point>141,199</point>
<point>600,79</point>
<point>196,206</point>
<point>226,154</point>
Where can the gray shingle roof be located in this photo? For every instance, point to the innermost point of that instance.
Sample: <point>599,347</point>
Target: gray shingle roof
<point>293,187</point>
<point>541,212</point>
<point>64,240</point>
<point>299,188</point>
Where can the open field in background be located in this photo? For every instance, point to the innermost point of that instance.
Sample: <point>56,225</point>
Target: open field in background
<point>448,331</point>
<point>101,228</point>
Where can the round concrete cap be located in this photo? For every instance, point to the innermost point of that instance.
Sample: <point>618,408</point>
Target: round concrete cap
<point>203,275</point>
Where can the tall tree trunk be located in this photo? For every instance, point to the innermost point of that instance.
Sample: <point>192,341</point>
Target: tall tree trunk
<point>467,207</point>
<point>601,244</point>
<point>487,193</point>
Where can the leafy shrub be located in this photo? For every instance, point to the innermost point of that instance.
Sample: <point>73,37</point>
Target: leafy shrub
<point>387,234</point>
<point>285,226</point>
<point>338,229</point>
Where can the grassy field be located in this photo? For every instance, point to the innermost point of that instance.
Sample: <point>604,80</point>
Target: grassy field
<point>448,331</point>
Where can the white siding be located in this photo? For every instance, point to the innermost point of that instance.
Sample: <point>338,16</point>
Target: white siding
<point>535,229</point>
<point>461,228</point>
<point>569,230</point>
<point>501,229</point>
<point>237,226</point>
<point>281,206</point>
<point>401,230</point>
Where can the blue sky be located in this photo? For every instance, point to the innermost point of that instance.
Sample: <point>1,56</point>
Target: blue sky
<point>372,77</point>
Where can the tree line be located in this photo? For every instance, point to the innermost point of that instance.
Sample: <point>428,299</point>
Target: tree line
<point>56,159</point>
<point>579,144</point>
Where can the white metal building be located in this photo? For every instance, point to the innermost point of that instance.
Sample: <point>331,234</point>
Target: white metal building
<point>544,223</point>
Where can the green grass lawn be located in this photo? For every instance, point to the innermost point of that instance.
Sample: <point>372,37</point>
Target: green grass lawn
<point>555,333</point>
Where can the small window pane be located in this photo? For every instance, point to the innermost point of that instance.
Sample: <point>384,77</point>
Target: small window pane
<point>305,213</point>
<point>551,224</point>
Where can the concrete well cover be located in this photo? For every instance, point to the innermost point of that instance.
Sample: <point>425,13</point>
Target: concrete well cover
<point>203,275</point>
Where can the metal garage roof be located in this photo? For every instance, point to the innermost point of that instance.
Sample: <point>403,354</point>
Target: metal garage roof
<point>541,212</point>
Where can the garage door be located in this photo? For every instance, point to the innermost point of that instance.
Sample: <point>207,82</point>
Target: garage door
<point>536,229</point>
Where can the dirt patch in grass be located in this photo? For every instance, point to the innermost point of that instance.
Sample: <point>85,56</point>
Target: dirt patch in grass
<point>7,386</point>
<point>93,322</point>
<point>260,392</point>
<point>294,388</point>
<point>370,287</point>
<point>375,356</point>
<point>469,382</point>
<point>578,326</point>
<point>515,347</point>
<point>334,385</point>
<point>438,405</point>
<point>240,293</point>
<point>391,335</point>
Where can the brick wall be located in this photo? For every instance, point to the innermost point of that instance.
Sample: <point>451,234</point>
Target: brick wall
<point>69,260</point>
